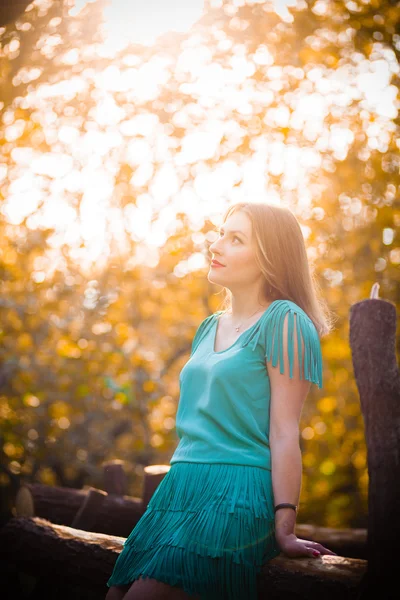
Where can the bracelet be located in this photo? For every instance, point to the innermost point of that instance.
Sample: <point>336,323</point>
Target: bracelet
<point>285,505</point>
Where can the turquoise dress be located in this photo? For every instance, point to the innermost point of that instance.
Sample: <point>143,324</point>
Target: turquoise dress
<point>210,525</point>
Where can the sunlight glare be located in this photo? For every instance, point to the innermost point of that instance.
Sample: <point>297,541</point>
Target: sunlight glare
<point>106,130</point>
<point>141,22</point>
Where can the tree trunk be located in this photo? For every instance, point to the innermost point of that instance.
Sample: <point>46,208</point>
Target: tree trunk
<point>373,345</point>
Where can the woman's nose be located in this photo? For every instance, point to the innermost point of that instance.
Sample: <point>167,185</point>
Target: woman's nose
<point>214,246</point>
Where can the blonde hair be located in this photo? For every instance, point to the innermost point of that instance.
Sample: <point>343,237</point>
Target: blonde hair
<point>282,258</point>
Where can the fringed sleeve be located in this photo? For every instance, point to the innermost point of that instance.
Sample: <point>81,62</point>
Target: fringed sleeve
<point>287,323</point>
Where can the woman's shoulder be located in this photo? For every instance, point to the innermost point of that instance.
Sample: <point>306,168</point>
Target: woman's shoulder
<point>286,306</point>
<point>300,326</point>
<point>289,304</point>
<point>202,329</point>
<point>210,318</point>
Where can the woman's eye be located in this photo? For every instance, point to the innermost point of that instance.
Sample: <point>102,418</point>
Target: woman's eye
<point>234,237</point>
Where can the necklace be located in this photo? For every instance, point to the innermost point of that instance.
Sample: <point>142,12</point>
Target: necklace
<point>239,326</point>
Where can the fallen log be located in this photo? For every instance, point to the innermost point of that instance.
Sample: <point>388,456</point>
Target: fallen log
<point>327,577</point>
<point>117,515</point>
<point>57,504</point>
<point>350,542</point>
<point>71,557</point>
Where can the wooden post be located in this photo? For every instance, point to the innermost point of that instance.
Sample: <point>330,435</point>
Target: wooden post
<point>115,480</point>
<point>88,512</point>
<point>372,341</point>
<point>153,475</point>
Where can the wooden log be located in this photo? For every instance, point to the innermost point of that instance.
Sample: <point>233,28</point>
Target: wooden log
<point>114,476</point>
<point>32,542</point>
<point>55,503</point>
<point>327,577</point>
<point>117,515</point>
<point>373,345</point>
<point>86,559</point>
<point>349,542</point>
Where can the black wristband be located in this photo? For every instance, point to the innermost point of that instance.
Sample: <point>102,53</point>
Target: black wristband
<point>285,505</point>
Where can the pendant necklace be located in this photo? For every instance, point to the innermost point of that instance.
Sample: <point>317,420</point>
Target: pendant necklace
<point>239,326</point>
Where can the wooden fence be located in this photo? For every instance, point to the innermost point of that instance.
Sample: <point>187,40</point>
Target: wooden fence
<point>63,543</point>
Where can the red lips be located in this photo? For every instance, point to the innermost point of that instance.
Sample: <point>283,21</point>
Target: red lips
<point>215,262</point>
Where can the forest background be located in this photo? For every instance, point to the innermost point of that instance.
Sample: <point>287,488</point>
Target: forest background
<point>118,159</point>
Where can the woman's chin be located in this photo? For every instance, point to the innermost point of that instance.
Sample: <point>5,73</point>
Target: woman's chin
<point>215,278</point>
<point>212,277</point>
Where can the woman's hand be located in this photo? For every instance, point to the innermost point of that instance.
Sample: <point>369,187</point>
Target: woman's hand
<point>293,547</point>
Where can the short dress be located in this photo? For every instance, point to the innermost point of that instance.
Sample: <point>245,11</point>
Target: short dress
<point>210,526</point>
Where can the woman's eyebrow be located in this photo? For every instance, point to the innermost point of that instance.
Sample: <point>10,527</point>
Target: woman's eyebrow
<point>233,231</point>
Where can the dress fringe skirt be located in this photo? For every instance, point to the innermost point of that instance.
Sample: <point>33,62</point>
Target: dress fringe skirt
<point>208,529</point>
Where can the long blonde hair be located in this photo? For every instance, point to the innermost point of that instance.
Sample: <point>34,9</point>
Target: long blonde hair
<point>282,258</point>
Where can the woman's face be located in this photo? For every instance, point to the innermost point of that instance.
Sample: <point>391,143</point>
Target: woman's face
<point>235,249</point>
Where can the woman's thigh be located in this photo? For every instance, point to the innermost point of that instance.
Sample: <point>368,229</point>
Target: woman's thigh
<point>152,589</point>
<point>117,592</point>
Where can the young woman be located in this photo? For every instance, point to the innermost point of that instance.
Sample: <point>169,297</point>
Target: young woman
<point>229,502</point>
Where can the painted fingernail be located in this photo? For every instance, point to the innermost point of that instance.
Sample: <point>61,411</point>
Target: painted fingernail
<point>315,553</point>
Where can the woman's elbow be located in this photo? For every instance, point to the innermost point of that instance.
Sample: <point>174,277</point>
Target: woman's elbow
<point>289,434</point>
